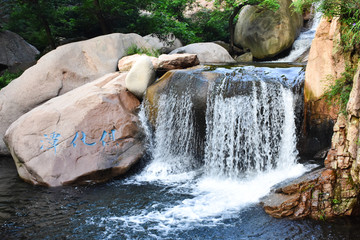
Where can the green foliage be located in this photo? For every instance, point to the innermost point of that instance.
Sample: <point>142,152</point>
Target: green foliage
<point>134,49</point>
<point>348,12</point>
<point>338,93</point>
<point>7,77</point>
<point>335,201</point>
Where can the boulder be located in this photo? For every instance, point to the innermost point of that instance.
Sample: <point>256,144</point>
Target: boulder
<point>246,57</point>
<point>177,61</point>
<point>141,75</point>
<point>126,63</point>
<point>61,70</point>
<point>15,53</point>
<point>207,52</point>
<point>89,134</point>
<point>166,45</point>
<point>267,33</point>
<point>163,63</point>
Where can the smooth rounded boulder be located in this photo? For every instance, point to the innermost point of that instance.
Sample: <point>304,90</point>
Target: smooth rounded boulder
<point>61,70</point>
<point>267,33</point>
<point>15,53</point>
<point>140,76</point>
<point>90,134</point>
<point>206,52</point>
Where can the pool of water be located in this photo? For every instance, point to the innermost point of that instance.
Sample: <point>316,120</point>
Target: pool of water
<point>137,209</point>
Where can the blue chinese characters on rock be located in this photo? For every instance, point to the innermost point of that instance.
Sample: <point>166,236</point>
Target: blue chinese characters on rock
<point>51,141</point>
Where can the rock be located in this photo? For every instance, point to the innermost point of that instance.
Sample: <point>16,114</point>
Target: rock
<point>61,70</point>
<point>353,106</point>
<point>206,52</point>
<point>267,33</point>
<point>141,75</point>
<point>163,63</point>
<point>125,63</point>
<point>225,45</point>
<point>325,64</point>
<point>163,45</point>
<point>246,57</point>
<point>280,205</point>
<point>177,61</point>
<point>15,53</point>
<point>89,134</point>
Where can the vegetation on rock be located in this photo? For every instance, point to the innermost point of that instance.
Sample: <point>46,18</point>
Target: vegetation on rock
<point>348,13</point>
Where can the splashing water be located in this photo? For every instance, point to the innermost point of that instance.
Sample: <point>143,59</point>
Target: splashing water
<point>249,146</point>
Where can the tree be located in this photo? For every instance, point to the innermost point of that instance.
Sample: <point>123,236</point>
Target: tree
<point>234,7</point>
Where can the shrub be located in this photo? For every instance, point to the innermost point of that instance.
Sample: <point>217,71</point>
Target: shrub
<point>7,77</point>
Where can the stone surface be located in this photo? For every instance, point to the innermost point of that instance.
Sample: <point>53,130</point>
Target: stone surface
<point>163,63</point>
<point>15,52</point>
<point>353,106</point>
<point>267,33</point>
<point>60,71</point>
<point>281,205</point>
<point>325,64</point>
<point>246,57</point>
<point>206,52</point>
<point>125,63</point>
<point>87,135</point>
<point>140,76</point>
<point>166,45</point>
<point>177,61</point>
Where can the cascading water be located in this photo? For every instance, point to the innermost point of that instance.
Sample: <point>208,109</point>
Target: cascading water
<point>251,133</point>
<point>209,174</point>
<point>303,42</point>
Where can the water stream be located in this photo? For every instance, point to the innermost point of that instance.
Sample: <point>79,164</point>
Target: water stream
<point>194,185</point>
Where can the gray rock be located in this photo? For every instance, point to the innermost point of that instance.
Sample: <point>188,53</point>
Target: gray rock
<point>267,33</point>
<point>15,53</point>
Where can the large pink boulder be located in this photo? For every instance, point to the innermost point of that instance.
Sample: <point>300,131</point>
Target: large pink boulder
<point>88,134</point>
<point>61,70</point>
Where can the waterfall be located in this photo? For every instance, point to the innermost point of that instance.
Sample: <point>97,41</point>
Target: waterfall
<point>303,42</point>
<point>250,126</point>
<point>250,133</point>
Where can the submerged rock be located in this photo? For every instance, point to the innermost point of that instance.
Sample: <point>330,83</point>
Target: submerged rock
<point>267,33</point>
<point>89,134</point>
<point>61,70</point>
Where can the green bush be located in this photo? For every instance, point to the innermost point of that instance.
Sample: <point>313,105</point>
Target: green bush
<point>7,77</point>
<point>134,49</point>
<point>338,93</point>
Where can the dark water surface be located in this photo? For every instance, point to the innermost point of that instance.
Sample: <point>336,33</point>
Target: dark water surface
<point>88,212</point>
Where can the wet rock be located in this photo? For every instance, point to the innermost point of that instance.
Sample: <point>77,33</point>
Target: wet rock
<point>61,70</point>
<point>281,205</point>
<point>87,135</point>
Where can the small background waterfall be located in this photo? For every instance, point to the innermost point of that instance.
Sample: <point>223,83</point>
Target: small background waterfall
<point>303,43</point>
